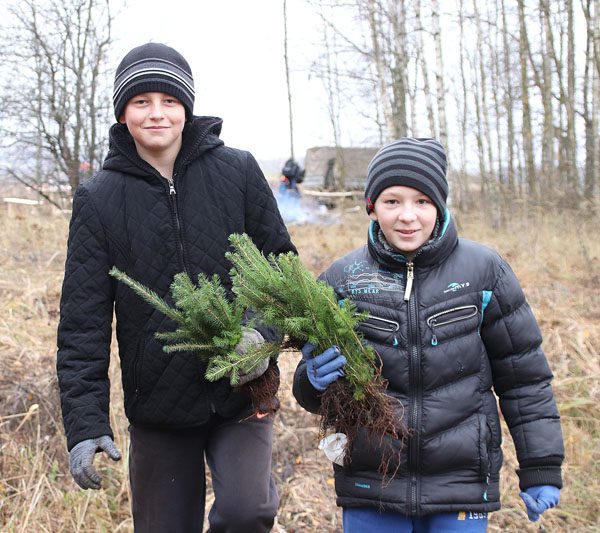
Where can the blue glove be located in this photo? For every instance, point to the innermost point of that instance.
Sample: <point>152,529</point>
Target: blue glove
<point>539,498</point>
<point>325,368</point>
<point>81,460</point>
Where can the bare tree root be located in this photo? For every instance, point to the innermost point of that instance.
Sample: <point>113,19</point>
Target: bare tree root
<point>262,391</point>
<point>378,413</point>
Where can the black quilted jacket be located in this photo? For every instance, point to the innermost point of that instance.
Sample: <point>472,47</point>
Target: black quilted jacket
<point>464,329</point>
<point>128,216</point>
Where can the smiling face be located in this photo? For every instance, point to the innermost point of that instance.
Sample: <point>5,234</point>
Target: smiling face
<point>406,217</point>
<point>155,121</point>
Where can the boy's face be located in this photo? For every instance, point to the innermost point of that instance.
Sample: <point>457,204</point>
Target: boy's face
<point>155,121</point>
<point>406,217</point>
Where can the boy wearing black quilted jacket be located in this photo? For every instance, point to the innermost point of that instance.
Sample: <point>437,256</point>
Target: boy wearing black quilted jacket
<point>454,334</point>
<point>167,198</point>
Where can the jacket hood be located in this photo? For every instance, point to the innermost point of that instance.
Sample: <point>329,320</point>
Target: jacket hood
<point>199,135</point>
<point>431,253</point>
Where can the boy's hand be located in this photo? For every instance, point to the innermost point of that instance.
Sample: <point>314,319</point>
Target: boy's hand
<point>81,460</point>
<point>325,368</point>
<point>251,338</point>
<point>540,498</point>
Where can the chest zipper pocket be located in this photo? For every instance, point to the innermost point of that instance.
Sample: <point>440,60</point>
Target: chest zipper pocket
<point>450,316</point>
<point>382,324</point>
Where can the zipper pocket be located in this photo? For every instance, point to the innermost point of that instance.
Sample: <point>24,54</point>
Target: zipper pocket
<point>382,324</point>
<point>450,316</point>
<point>137,365</point>
<point>377,323</point>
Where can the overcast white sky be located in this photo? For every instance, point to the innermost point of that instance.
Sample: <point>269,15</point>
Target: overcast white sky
<point>235,49</point>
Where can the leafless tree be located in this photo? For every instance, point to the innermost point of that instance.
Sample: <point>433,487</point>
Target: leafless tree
<point>54,113</point>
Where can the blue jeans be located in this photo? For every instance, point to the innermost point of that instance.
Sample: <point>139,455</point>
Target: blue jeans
<point>369,519</point>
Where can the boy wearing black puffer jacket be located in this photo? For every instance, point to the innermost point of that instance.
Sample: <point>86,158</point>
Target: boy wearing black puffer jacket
<point>166,200</point>
<point>451,326</point>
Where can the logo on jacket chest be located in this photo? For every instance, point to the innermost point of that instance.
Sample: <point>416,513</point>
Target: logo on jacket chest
<point>454,286</point>
<point>372,283</point>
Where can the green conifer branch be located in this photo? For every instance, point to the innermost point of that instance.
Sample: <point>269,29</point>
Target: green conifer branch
<point>304,307</point>
<point>208,324</point>
<point>147,294</point>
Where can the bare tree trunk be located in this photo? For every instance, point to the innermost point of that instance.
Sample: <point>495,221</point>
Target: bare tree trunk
<point>573,178</point>
<point>333,105</point>
<point>397,14</point>
<point>545,85</point>
<point>508,106</point>
<point>528,154</point>
<point>287,78</point>
<point>439,75</point>
<point>422,61</point>
<point>483,127</point>
<point>380,66</point>
<point>463,116</point>
<point>590,83</point>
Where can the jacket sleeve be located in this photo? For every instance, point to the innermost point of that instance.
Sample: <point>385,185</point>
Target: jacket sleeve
<point>264,225</point>
<point>522,377</point>
<point>84,331</point>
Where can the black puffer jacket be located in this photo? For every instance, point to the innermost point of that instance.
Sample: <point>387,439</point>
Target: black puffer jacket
<point>127,216</point>
<point>465,328</point>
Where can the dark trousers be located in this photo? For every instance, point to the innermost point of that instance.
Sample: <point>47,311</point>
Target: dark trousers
<point>168,484</point>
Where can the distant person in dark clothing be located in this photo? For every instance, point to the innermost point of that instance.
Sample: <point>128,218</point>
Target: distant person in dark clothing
<point>291,176</point>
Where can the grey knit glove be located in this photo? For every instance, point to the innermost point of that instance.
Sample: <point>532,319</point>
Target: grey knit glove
<point>251,339</point>
<point>81,460</point>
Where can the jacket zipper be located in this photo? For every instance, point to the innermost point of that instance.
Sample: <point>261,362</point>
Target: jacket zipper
<point>410,275</point>
<point>174,209</point>
<point>415,388</point>
<point>177,221</point>
<point>434,320</point>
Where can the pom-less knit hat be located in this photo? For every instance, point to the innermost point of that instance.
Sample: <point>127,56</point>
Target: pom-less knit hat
<point>154,67</point>
<point>417,163</point>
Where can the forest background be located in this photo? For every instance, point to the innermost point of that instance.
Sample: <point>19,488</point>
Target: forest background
<point>512,88</point>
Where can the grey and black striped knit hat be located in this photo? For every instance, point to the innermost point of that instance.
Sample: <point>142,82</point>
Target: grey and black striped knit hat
<point>417,163</point>
<point>154,67</point>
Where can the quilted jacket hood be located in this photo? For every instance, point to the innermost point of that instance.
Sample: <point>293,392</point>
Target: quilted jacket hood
<point>432,253</point>
<point>199,135</point>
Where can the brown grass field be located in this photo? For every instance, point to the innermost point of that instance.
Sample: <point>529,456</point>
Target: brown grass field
<point>556,256</point>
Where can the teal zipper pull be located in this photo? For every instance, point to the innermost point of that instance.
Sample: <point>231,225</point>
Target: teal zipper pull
<point>395,343</point>
<point>434,339</point>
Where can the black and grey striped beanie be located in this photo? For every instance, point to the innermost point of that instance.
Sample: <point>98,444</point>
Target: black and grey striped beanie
<point>154,67</point>
<point>417,163</point>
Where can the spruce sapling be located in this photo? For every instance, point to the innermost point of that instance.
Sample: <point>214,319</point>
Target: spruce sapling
<point>208,323</point>
<point>287,296</point>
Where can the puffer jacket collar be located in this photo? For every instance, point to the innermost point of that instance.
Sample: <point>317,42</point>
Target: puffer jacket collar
<point>432,253</point>
<point>199,135</point>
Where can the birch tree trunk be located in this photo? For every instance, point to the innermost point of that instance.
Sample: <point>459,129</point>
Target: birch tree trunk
<point>399,71</point>
<point>439,75</point>
<point>508,105</point>
<point>528,155</point>
<point>380,66</point>
<point>425,71</point>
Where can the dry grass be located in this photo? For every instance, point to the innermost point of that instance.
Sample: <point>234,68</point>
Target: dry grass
<point>556,256</point>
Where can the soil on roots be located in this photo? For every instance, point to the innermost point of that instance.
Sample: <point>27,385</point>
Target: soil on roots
<point>262,391</point>
<point>377,417</point>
